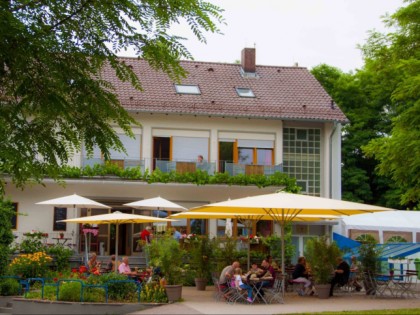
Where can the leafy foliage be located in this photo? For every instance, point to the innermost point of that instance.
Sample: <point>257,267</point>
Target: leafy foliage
<point>31,265</point>
<point>201,251</point>
<point>153,293</point>
<point>61,255</point>
<point>6,235</point>
<point>9,286</point>
<point>322,255</point>
<point>53,98</point>
<point>167,254</point>
<point>274,244</point>
<point>199,177</point>
<point>394,58</point>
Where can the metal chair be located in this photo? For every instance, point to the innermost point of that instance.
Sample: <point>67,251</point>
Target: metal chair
<point>275,294</point>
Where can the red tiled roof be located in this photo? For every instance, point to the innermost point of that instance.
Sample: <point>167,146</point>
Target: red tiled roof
<point>280,92</point>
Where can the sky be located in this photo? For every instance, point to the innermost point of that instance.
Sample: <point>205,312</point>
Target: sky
<point>285,32</point>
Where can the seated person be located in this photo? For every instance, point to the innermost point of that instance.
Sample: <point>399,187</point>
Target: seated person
<point>341,274</point>
<point>124,268</point>
<point>270,260</point>
<point>240,285</point>
<point>254,272</point>
<point>111,264</point>
<point>94,266</point>
<point>300,275</point>
<point>227,273</point>
<point>354,270</point>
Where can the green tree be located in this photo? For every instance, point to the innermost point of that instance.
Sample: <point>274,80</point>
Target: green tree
<point>356,94</point>
<point>395,58</point>
<point>6,235</point>
<point>53,98</point>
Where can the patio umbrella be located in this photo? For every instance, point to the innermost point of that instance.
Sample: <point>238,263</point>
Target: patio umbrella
<point>247,219</point>
<point>116,218</point>
<point>75,201</point>
<point>158,204</point>
<point>284,207</point>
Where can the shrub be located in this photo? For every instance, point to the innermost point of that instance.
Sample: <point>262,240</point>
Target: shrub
<point>153,292</point>
<point>31,265</point>
<point>32,243</point>
<point>70,291</point>
<point>9,286</point>
<point>6,235</point>
<point>62,255</point>
<point>96,295</point>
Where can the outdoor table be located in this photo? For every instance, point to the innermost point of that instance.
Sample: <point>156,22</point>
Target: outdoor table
<point>256,284</point>
<point>64,239</point>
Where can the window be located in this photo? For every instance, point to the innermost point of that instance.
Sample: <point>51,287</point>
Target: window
<point>60,214</point>
<point>187,89</point>
<point>245,92</point>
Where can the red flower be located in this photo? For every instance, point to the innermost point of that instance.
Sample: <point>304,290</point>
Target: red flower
<point>55,279</point>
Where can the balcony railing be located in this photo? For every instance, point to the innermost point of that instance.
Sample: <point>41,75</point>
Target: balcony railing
<point>123,163</point>
<point>252,169</point>
<point>184,166</point>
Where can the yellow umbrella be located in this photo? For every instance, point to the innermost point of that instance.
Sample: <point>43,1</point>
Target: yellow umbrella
<point>116,218</point>
<point>283,207</point>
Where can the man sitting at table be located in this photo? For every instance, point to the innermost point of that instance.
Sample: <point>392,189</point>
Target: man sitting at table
<point>124,268</point>
<point>341,274</point>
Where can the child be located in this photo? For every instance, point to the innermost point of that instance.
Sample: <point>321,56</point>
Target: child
<point>240,285</point>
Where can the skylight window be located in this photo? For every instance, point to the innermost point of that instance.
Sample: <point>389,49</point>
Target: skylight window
<point>187,89</point>
<point>245,92</point>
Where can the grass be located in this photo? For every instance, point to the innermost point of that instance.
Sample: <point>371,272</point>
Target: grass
<point>408,311</point>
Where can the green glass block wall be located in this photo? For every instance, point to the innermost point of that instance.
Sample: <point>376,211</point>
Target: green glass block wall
<point>302,158</point>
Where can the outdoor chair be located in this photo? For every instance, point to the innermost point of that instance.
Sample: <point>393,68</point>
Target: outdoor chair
<point>275,293</point>
<point>219,290</point>
<point>234,294</point>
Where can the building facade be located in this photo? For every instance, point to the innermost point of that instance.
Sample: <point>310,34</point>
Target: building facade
<point>240,118</point>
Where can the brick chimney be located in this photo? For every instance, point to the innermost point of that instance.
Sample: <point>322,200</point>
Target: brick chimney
<point>248,60</point>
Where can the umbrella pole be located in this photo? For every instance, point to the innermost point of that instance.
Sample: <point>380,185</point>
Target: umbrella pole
<point>86,251</point>
<point>116,246</point>
<point>282,256</point>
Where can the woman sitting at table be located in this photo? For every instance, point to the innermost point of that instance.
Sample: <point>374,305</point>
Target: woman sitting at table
<point>240,285</point>
<point>300,275</point>
<point>94,266</point>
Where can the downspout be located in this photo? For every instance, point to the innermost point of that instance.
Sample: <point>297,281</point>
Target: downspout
<point>331,158</point>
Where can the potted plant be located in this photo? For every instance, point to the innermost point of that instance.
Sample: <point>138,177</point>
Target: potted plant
<point>322,255</point>
<point>369,259</point>
<point>167,254</point>
<point>201,254</point>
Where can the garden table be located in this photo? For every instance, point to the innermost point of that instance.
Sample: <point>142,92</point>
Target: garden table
<point>63,239</point>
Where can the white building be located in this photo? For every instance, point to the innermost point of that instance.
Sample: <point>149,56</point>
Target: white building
<point>242,118</point>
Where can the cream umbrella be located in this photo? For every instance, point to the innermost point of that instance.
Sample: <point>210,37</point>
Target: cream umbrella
<point>75,201</point>
<point>157,204</point>
<point>116,218</point>
<point>247,218</point>
<point>284,207</point>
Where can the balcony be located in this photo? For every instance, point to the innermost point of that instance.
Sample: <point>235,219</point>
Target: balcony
<point>123,163</point>
<point>252,169</point>
<point>182,167</point>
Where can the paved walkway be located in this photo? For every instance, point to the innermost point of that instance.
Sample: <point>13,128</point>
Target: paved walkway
<point>202,302</point>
